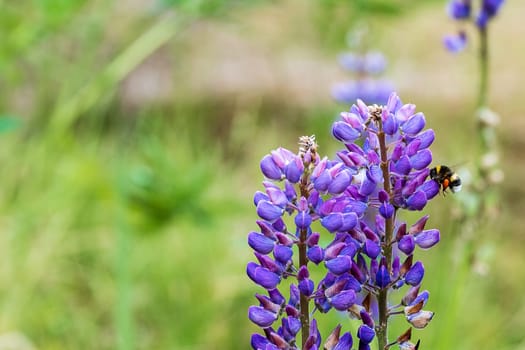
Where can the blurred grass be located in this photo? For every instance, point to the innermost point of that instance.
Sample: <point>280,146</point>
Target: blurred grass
<point>124,216</point>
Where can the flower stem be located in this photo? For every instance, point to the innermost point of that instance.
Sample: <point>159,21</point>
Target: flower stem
<point>305,312</point>
<point>303,261</point>
<point>382,328</point>
<point>483,66</point>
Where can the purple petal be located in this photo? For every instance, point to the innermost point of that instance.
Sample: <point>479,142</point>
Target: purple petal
<point>382,277</point>
<point>306,287</point>
<point>407,244</point>
<point>294,170</point>
<point>267,211</point>
<point>260,243</point>
<point>414,124</point>
<point>277,196</point>
<point>261,317</point>
<point>315,254</point>
<point>303,220</point>
<point>374,62</point>
<point>352,119</point>
<point>417,201</point>
<point>427,238</point>
<point>344,132</point>
<point>333,250</point>
<point>371,249</point>
<point>415,275</point>
<point>421,159</point>
<point>349,221</point>
<point>258,342</point>
<point>402,166</point>
<point>339,265</point>
<point>351,62</point>
<point>367,187</point>
<point>421,297</point>
<point>346,92</point>
<point>262,276</point>
<point>426,137</point>
<point>390,125</point>
<point>366,334</point>
<point>386,210</point>
<point>340,183</point>
<point>405,112</point>
<point>345,343</point>
<point>293,325</point>
<point>332,222</point>
<point>431,189</point>
<point>394,103</point>
<point>459,9</point>
<point>282,253</point>
<point>270,169</point>
<point>455,43</point>
<point>322,182</point>
<point>343,300</point>
<point>259,196</point>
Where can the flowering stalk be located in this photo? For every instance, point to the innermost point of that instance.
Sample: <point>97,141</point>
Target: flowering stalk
<point>382,333</point>
<point>484,67</point>
<point>366,67</point>
<point>354,198</point>
<point>488,170</point>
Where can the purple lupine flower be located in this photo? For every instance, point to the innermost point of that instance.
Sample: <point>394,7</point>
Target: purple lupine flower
<point>455,42</point>
<point>461,10</point>
<point>354,198</point>
<point>364,85</point>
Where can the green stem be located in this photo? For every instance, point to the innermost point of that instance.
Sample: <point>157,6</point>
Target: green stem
<point>382,328</point>
<point>484,67</point>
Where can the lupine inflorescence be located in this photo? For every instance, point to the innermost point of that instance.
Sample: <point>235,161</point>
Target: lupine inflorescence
<point>353,203</point>
<point>365,84</point>
<point>462,10</point>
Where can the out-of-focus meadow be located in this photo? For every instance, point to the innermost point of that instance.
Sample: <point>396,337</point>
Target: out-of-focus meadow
<point>131,133</point>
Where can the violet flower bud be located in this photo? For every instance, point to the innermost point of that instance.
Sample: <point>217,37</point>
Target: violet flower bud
<point>382,277</point>
<point>315,254</point>
<point>455,43</point>
<point>459,9</point>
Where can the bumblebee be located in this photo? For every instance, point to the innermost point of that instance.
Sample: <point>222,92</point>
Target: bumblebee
<point>446,178</point>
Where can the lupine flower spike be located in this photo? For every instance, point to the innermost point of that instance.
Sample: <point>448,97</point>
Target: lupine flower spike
<point>352,204</point>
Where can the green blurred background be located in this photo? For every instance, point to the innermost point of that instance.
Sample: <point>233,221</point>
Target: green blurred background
<point>131,133</point>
